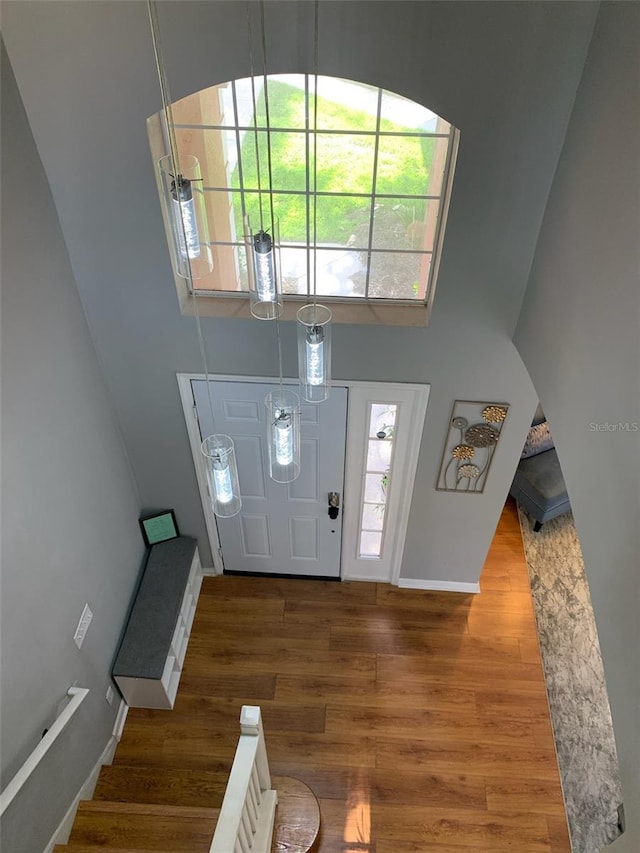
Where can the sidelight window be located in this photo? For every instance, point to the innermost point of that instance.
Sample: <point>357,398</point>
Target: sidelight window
<point>377,478</point>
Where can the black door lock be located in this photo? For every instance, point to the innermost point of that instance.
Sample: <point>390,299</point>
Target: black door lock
<point>334,505</point>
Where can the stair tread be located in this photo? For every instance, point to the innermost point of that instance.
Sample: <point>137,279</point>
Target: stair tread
<point>171,786</point>
<point>144,826</point>
<point>134,755</point>
<point>111,806</point>
<point>180,822</point>
<point>91,848</point>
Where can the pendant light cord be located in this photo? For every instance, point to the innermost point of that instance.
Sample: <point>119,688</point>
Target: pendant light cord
<point>279,353</point>
<point>255,111</point>
<point>173,149</point>
<point>164,87</point>
<point>267,115</point>
<point>270,174</point>
<point>315,159</point>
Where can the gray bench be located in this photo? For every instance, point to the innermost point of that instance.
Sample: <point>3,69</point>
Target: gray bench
<point>149,663</point>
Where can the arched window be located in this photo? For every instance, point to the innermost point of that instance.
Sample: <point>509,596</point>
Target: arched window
<point>384,175</point>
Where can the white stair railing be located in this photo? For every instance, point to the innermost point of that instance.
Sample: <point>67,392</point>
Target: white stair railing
<point>247,816</point>
<point>76,696</point>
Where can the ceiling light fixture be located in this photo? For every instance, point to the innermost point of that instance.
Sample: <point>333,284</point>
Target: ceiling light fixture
<point>181,191</point>
<point>314,321</point>
<point>222,475</point>
<point>282,405</point>
<point>185,217</point>
<point>283,434</point>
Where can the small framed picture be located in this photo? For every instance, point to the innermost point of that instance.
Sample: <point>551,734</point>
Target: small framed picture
<point>159,527</point>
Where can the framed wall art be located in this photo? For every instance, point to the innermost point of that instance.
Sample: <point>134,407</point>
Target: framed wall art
<point>472,437</point>
<point>159,527</point>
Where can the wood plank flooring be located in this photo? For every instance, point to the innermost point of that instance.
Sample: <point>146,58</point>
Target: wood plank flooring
<point>418,719</point>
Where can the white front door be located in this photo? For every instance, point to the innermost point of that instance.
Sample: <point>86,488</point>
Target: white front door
<point>282,528</point>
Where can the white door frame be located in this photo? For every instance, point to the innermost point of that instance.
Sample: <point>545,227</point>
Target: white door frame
<point>411,401</point>
<point>355,439</point>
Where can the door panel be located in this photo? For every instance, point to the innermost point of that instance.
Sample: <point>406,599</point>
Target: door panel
<point>252,473</point>
<point>254,536</point>
<point>283,528</point>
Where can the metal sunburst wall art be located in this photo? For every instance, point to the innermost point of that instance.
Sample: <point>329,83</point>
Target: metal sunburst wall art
<point>474,432</point>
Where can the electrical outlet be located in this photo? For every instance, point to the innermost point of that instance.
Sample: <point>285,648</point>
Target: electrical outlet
<point>111,695</point>
<point>83,626</point>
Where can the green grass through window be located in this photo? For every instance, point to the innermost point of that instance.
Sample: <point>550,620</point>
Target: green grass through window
<point>345,165</point>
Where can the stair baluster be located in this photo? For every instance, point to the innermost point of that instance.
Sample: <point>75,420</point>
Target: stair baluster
<point>247,815</point>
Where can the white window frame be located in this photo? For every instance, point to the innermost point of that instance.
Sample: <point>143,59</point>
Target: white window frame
<point>411,401</point>
<point>367,472</point>
<point>412,398</point>
<point>345,309</point>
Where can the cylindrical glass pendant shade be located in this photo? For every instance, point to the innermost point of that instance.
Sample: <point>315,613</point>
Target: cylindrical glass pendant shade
<point>262,242</point>
<point>314,352</point>
<point>283,434</point>
<point>222,475</point>
<point>186,217</point>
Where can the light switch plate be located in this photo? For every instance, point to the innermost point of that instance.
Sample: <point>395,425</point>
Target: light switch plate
<point>83,626</point>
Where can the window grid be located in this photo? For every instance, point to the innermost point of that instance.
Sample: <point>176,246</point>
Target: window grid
<point>376,151</point>
<point>423,255</point>
<point>238,147</point>
<point>284,244</point>
<point>321,132</point>
<point>325,193</point>
<point>308,170</point>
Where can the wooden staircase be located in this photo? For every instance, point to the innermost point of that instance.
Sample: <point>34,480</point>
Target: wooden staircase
<point>136,809</point>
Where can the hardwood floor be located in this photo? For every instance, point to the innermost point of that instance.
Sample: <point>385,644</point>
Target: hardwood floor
<point>419,719</point>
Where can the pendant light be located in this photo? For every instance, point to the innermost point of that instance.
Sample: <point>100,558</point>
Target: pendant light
<point>222,475</point>
<point>263,261</point>
<point>185,216</point>
<point>283,427</point>
<point>314,321</point>
<point>283,434</point>
<point>262,244</point>
<point>314,352</point>
<point>186,223</point>
<point>181,189</point>
<point>261,230</point>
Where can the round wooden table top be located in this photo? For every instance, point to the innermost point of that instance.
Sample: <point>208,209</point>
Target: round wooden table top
<point>297,816</point>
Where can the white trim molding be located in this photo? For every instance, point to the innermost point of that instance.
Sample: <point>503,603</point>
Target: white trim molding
<point>62,833</point>
<point>414,398</point>
<point>118,726</point>
<point>195,442</point>
<point>411,402</point>
<point>439,586</point>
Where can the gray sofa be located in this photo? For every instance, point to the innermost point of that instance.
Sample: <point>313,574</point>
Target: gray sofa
<point>538,485</point>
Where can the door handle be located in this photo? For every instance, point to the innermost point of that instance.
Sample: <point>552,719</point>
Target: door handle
<point>334,505</point>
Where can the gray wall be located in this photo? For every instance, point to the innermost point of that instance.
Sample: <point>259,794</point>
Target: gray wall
<point>69,521</point>
<point>504,73</point>
<point>579,335</point>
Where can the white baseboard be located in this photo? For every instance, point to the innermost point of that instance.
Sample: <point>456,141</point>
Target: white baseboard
<point>209,572</point>
<point>365,579</point>
<point>118,726</point>
<point>62,833</point>
<point>439,586</point>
